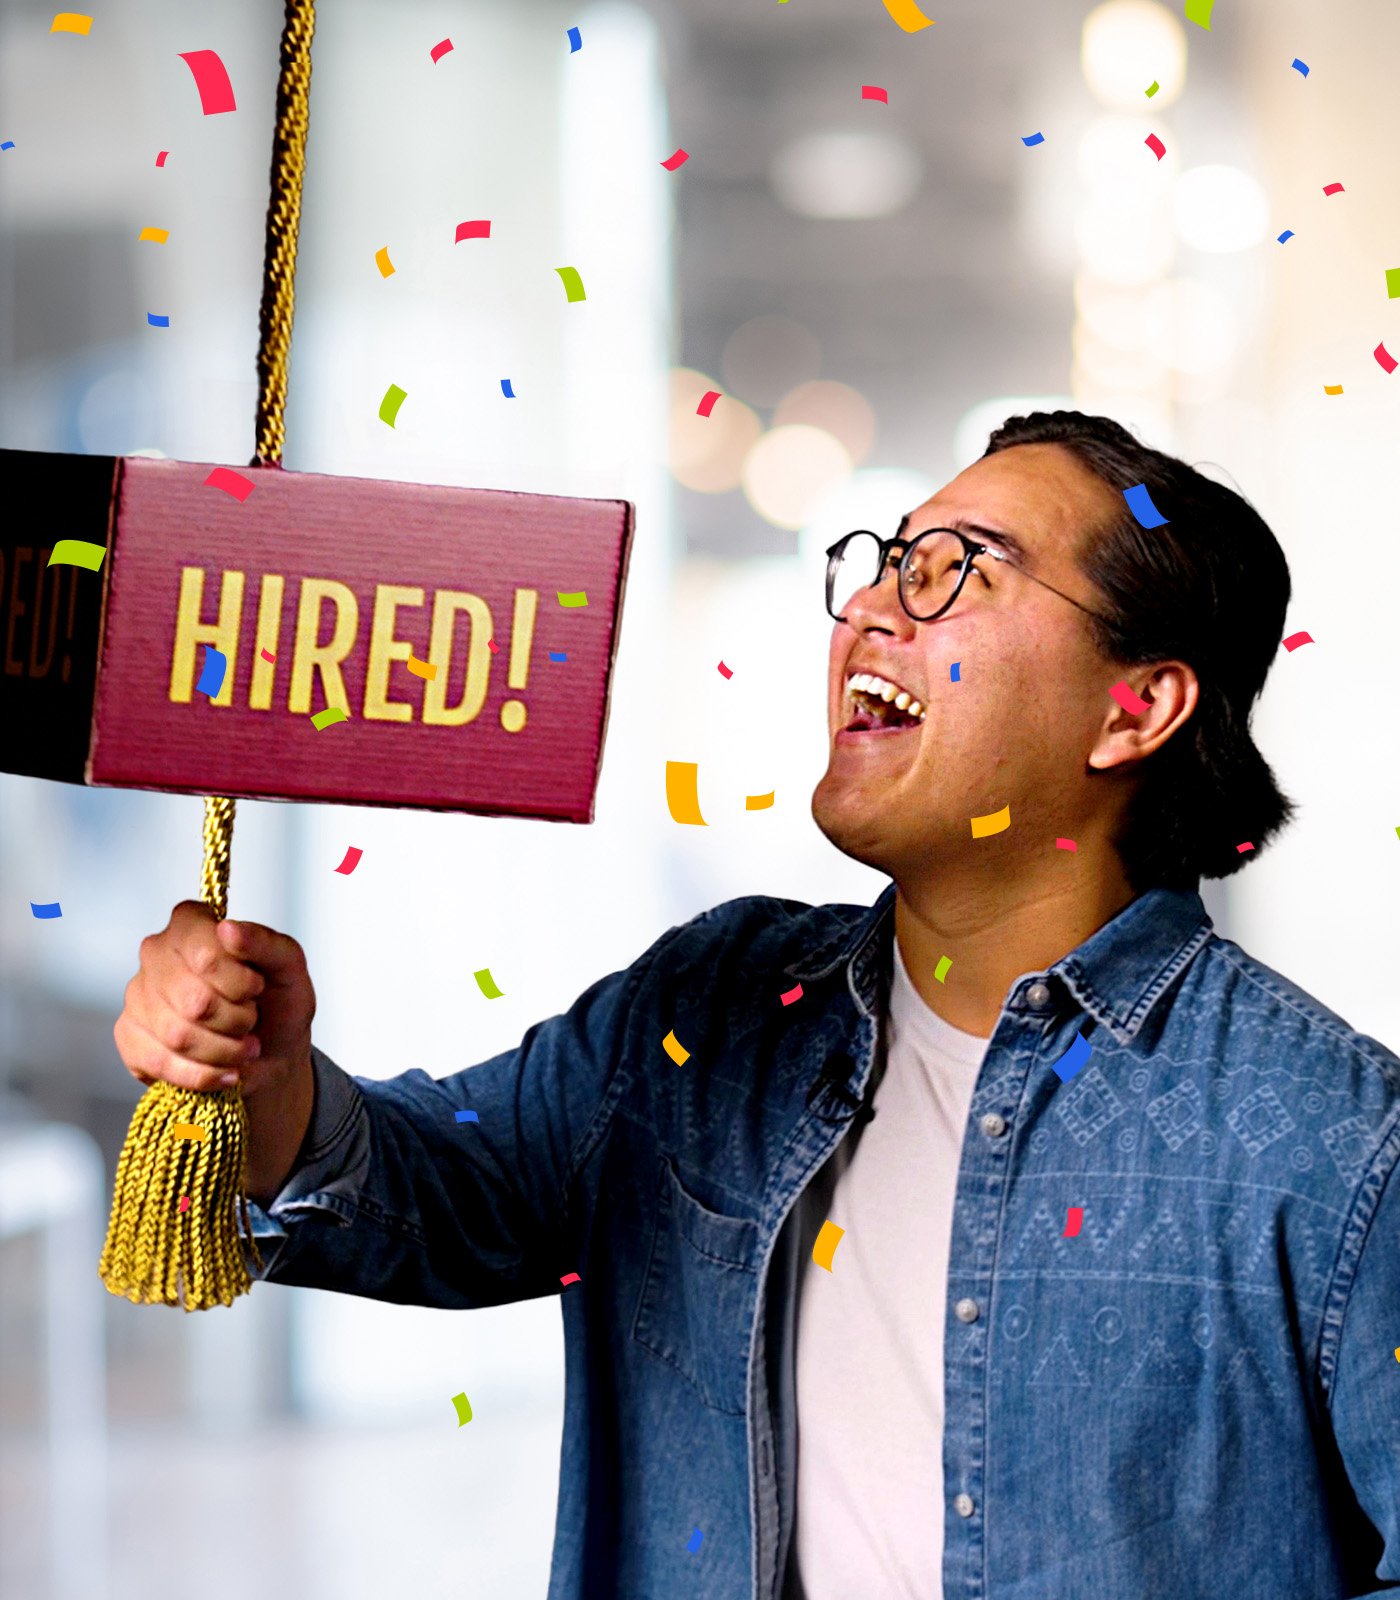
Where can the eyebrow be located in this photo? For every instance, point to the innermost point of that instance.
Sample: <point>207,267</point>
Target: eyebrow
<point>1009,540</point>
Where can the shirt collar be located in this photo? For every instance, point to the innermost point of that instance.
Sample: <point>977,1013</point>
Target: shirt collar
<point>1117,974</point>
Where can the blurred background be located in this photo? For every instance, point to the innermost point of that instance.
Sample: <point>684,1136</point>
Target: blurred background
<point>872,287</point>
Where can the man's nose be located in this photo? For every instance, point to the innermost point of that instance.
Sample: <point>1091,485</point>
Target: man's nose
<point>877,605</point>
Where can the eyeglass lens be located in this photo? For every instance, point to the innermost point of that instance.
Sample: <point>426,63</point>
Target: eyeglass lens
<point>930,572</point>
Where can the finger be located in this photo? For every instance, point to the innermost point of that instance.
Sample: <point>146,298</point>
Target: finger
<point>198,1001</point>
<point>277,956</point>
<point>193,1041</point>
<point>148,1059</point>
<point>189,945</point>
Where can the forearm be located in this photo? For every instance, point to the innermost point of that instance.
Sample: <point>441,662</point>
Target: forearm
<point>278,1117</point>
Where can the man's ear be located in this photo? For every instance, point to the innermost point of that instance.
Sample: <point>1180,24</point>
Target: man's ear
<point>1171,690</point>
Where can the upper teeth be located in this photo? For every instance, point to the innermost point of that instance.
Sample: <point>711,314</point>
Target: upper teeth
<point>883,689</point>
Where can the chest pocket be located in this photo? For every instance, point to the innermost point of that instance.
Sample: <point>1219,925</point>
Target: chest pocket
<point>697,1299</point>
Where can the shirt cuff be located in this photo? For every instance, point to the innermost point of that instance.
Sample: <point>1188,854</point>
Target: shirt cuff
<point>331,1167</point>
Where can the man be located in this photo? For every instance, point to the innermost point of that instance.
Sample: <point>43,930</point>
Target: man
<point>1193,1394</point>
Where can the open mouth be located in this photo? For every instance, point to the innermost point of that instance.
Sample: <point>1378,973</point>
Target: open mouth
<point>880,706</point>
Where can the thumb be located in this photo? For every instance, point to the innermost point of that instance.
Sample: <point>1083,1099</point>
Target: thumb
<point>259,946</point>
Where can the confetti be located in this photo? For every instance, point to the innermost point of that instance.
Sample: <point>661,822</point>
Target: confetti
<point>672,162</point>
<point>993,822</point>
<point>570,1277</point>
<point>1067,844</point>
<point>487,984</point>
<point>683,793</point>
<point>558,655</point>
<point>184,1204</point>
<point>506,389</point>
<point>1129,701</point>
<point>707,405</point>
<point>1384,357</point>
<point>1392,283</point>
<point>827,1240</point>
<point>70,22</point>
<point>77,553</point>
<point>466,1116</point>
<point>190,1130</point>
<point>759,802</point>
<point>267,655</point>
<point>573,284</point>
<point>394,397</point>
<point>955,672</point>
<point>1032,138</point>
<point>439,50</point>
<point>725,672</point>
<point>1155,145</point>
<point>421,669</point>
<point>573,599</point>
<point>693,1543</point>
<point>382,261</point>
<point>941,971</point>
<point>464,1409</point>
<point>1300,66</point>
<point>211,677</point>
<point>153,236</point>
<point>1153,90</point>
<point>873,91</point>
<point>493,647</point>
<point>157,322</point>
<point>1293,640</point>
<point>49,909</point>
<point>1073,1058</point>
<point>351,861</point>
<point>1241,848</point>
<point>230,482</point>
<point>1331,388</point>
<point>1140,504</point>
<point>575,40</point>
<point>908,15</point>
<point>9,144</point>
<point>480,228</point>
<point>323,719</point>
<point>1334,188</point>
<point>791,996</point>
<point>160,159</point>
<point>1198,11</point>
<point>1073,1222</point>
<point>1285,236</point>
<point>211,79</point>
<point>675,1049</point>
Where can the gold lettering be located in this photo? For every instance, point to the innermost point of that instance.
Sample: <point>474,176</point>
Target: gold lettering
<point>266,635</point>
<point>190,631</point>
<point>309,656</point>
<point>436,711</point>
<point>40,573</point>
<point>384,648</point>
<point>13,668</point>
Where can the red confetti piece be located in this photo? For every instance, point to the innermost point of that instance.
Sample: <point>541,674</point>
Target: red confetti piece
<point>160,159</point>
<point>725,672</point>
<point>351,861</point>
<point>211,79</point>
<point>267,655</point>
<point>791,996</point>
<point>1334,188</point>
<point>570,1277</point>
<point>1066,844</point>
<point>230,482</point>
<point>872,91</point>
<point>184,1203</point>
<point>1155,145</point>
<point>1073,1222</point>
<point>707,405</point>
<point>479,229</point>
<point>1384,357</point>
<point>1241,848</point>
<point>1293,640</point>
<point>1127,699</point>
<point>492,647</point>
<point>440,50</point>
<point>678,160</point>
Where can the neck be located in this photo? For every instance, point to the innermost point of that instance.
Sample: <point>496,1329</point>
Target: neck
<point>995,933</point>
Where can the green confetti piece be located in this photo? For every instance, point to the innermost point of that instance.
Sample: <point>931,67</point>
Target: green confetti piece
<point>464,1409</point>
<point>323,719</point>
<point>573,284</point>
<point>1392,282</point>
<point>1153,90</point>
<point>940,972</point>
<point>575,597</point>
<point>1198,11</point>
<point>394,397</point>
<point>77,553</point>
<point>487,984</point>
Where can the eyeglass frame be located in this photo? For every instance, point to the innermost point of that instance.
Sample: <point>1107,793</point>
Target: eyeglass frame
<point>972,548</point>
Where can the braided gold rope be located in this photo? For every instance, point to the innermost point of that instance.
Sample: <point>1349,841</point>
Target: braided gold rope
<point>155,1254</point>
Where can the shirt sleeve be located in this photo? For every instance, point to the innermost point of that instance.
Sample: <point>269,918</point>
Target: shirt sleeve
<point>1366,1386</point>
<point>395,1199</point>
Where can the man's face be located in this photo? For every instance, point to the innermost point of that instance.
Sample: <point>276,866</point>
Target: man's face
<point>1032,697</point>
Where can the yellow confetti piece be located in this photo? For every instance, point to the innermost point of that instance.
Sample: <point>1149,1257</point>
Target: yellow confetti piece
<point>422,669</point>
<point>190,1130</point>
<point>759,802</point>
<point>995,822</point>
<point>827,1240</point>
<point>1331,388</point>
<point>908,15</point>
<point>77,553</point>
<point>153,235</point>
<point>70,22</point>
<point>382,261</point>
<point>683,792</point>
<point>675,1049</point>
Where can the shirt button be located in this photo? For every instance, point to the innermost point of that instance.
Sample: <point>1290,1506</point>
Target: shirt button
<point>993,1125</point>
<point>967,1311</point>
<point>963,1505</point>
<point>1038,995</point>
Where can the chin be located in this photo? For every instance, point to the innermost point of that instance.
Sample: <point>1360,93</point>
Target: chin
<point>847,822</point>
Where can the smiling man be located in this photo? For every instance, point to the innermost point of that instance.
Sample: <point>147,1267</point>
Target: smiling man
<point>1194,1394</point>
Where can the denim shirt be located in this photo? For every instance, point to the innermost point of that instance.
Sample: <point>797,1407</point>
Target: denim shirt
<point>1197,1397</point>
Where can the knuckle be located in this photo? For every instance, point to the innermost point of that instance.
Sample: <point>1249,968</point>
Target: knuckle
<point>175,1033</point>
<point>197,1001</point>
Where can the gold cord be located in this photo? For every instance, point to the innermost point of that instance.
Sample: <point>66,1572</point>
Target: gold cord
<point>156,1254</point>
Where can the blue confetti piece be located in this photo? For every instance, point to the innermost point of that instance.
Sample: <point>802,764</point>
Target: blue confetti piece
<point>558,655</point>
<point>157,322</point>
<point>955,672</point>
<point>467,1116</point>
<point>506,389</point>
<point>1074,1058</point>
<point>9,144</point>
<point>694,1542</point>
<point>1140,504</point>
<point>575,40</point>
<point>211,679</point>
<point>1300,66</point>
<point>52,909</point>
<point>1285,236</point>
<point>1035,138</point>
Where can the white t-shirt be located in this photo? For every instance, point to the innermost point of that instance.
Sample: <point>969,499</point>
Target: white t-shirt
<point>870,1331</point>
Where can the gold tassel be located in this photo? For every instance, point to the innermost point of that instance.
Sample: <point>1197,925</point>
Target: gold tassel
<point>157,1254</point>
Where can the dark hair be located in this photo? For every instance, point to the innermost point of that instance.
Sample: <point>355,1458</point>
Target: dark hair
<point>1209,587</point>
